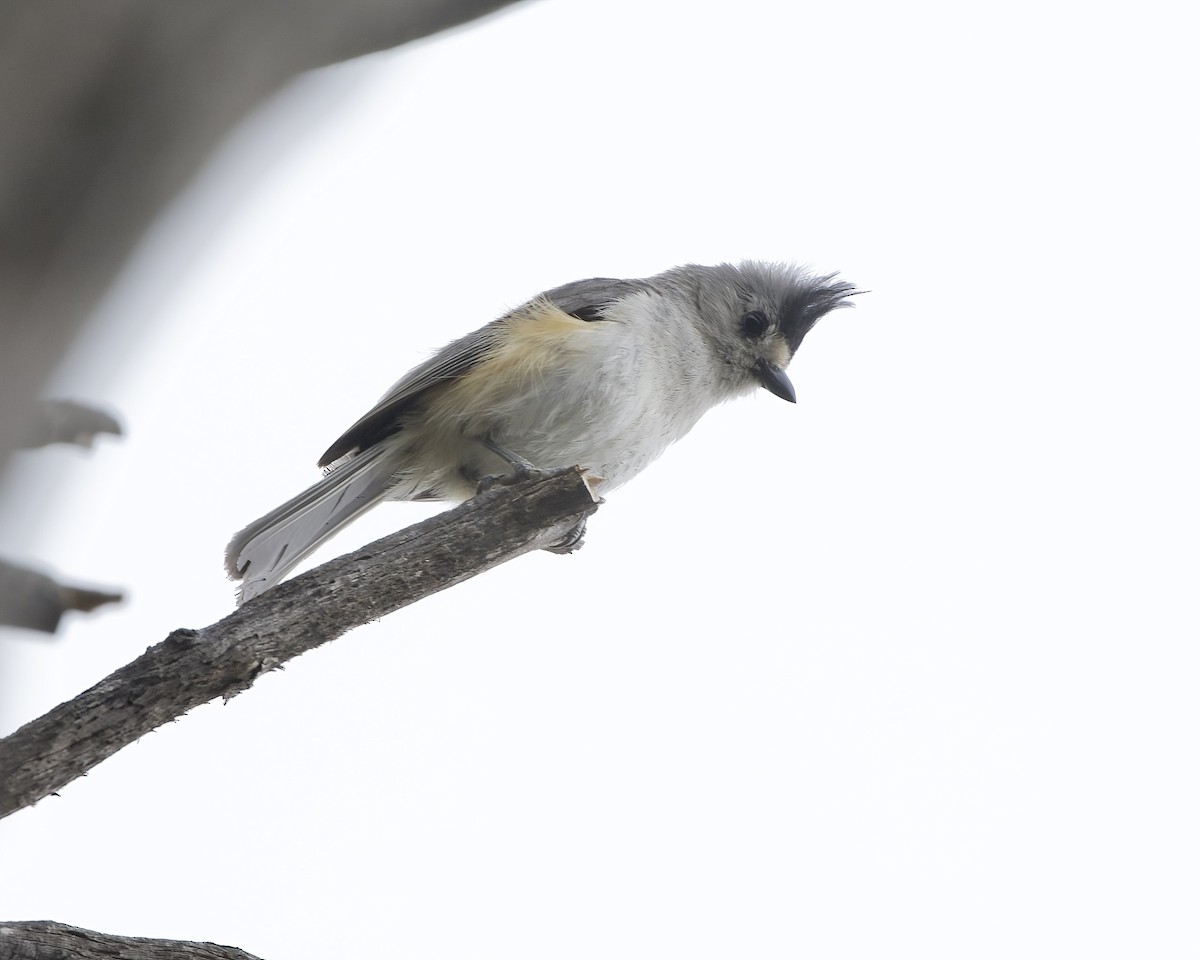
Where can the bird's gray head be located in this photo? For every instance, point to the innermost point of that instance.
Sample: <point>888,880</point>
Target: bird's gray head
<point>754,316</point>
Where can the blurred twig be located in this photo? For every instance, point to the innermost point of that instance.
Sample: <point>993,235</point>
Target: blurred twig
<point>37,601</point>
<point>65,421</point>
<point>192,667</point>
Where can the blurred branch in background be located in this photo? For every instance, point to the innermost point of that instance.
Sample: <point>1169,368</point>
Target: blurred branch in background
<point>108,108</point>
<point>65,421</point>
<point>37,601</point>
<point>192,667</point>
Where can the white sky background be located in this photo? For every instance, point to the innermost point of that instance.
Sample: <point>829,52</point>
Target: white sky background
<point>907,669</point>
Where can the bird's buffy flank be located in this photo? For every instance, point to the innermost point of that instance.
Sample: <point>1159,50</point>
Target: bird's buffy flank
<point>601,374</point>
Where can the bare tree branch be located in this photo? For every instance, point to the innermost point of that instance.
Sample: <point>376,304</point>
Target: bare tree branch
<point>192,667</point>
<point>46,940</point>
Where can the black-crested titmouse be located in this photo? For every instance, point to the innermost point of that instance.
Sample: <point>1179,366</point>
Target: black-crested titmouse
<point>602,374</point>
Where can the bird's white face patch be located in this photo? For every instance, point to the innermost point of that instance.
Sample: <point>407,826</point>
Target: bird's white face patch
<point>776,351</point>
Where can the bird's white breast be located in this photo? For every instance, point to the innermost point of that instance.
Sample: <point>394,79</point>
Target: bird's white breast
<point>608,395</point>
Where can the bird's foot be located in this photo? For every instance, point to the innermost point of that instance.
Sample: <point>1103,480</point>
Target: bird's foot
<point>520,472</point>
<point>572,541</point>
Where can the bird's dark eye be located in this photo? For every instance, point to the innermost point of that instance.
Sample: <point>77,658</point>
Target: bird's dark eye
<point>755,324</point>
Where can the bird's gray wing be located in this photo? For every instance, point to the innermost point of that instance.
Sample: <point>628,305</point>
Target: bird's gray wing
<point>585,299</point>
<point>382,420</point>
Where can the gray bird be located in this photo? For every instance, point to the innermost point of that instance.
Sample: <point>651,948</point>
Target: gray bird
<point>603,374</point>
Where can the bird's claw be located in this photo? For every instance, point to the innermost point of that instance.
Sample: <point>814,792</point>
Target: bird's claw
<point>572,541</point>
<point>520,472</point>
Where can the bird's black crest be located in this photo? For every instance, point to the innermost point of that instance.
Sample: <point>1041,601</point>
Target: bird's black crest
<point>807,303</point>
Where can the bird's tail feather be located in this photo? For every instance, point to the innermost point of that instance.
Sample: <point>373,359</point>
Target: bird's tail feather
<point>267,550</point>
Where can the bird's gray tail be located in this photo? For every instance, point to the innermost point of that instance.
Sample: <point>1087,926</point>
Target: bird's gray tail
<point>267,550</point>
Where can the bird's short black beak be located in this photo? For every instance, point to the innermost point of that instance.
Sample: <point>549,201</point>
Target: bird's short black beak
<point>775,380</point>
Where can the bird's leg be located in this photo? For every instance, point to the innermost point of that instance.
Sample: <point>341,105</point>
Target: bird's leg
<point>519,464</point>
<point>522,469</point>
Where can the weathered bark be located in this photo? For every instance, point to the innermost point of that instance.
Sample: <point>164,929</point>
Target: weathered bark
<point>191,667</point>
<point>46,940</point>
<point>108,108</point>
